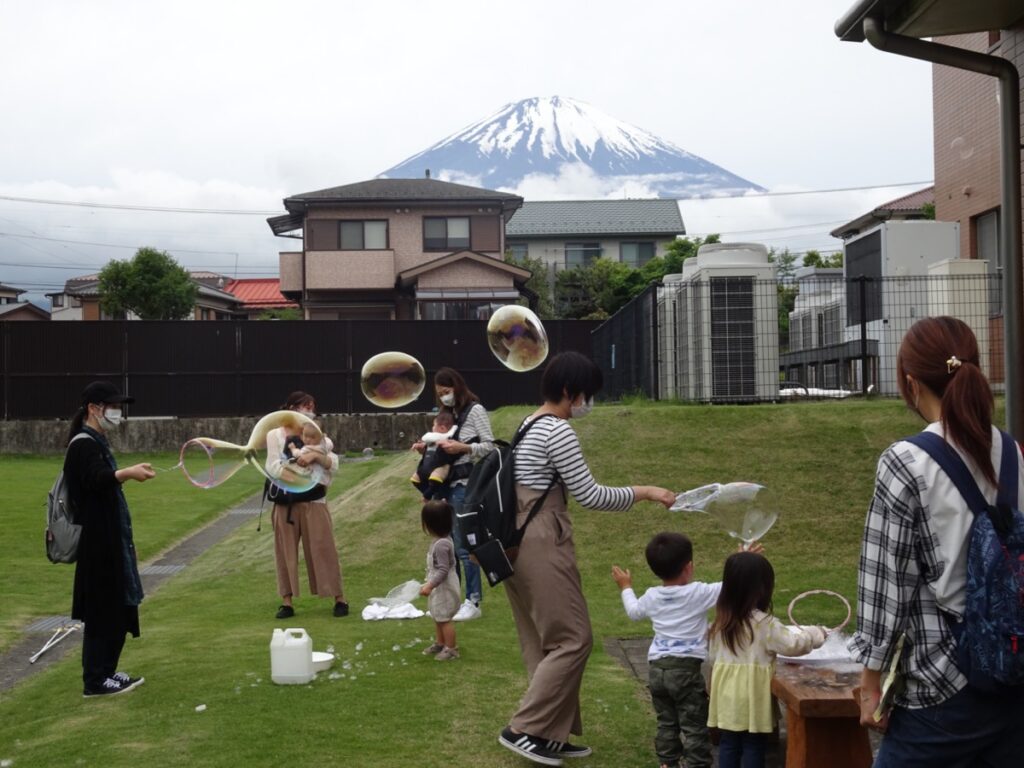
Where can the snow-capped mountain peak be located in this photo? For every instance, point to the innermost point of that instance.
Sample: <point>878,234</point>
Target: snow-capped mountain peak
<point>542,135</point>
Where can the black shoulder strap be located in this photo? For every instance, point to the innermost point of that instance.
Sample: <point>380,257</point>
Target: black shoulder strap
<point>520,434</point>
<point>1008,477</point>
<point>462,420</point>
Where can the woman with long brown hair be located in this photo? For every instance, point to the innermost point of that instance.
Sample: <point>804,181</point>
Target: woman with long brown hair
<point>913,566</point>
<point>473,440</point>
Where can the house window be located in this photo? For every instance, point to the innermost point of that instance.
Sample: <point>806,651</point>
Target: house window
<point>986,246</point>
<point>457,310</point>
<point>519,251</point>
<point>58,300</point>
<point>364,235</point>
<point>581,254</point>
<point>636,254</point>
<point>445,234</point>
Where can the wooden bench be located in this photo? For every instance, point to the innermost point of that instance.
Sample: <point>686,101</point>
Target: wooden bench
<point>822,717</point>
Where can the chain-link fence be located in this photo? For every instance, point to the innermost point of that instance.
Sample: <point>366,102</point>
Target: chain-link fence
<point>734,338</point>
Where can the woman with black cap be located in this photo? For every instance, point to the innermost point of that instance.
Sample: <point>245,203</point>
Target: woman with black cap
<point>108,589</point>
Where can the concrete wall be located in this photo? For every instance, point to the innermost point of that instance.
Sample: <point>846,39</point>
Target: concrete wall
<point>350,432</point>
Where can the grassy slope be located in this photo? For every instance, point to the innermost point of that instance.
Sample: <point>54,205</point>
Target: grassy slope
<point>206,632</point>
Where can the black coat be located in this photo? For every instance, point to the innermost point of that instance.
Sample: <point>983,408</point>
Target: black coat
<point>99,572</point>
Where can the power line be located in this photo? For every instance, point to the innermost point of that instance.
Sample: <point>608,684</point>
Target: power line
<point>246,212</point>
<point>107,245</point>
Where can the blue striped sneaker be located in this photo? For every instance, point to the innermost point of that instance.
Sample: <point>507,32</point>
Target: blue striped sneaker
<point>529,747</point>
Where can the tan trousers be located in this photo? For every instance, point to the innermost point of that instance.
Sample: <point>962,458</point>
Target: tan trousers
<point>310,522</point>
<point>551,617</point>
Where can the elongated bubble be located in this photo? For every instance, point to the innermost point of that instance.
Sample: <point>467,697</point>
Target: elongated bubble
<point>392,379</point>
<point>517,338</point>
<point>746,511</point>
<point>208,462</point>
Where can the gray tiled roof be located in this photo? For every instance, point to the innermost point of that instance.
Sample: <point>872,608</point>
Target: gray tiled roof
<point>393,190</point>
<point>596,217</point>
<point>10,289</point>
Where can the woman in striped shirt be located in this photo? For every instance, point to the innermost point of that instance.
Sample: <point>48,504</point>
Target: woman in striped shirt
<point>545,591</point>
<point>474,441</point>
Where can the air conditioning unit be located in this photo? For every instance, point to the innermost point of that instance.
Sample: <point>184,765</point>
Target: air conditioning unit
<point>886,271</point>
<point>728,350</point>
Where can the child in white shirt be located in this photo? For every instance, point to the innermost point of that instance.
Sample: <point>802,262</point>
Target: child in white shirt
<point>678,610</point>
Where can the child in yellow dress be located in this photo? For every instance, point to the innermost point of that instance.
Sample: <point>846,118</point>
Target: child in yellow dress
<point>743,643</point>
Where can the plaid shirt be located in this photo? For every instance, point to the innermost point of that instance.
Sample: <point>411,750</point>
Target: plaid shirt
<point>913,568</point>
<point>899,565</point>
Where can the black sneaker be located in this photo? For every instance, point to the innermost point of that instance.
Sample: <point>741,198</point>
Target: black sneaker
<point>565,749</point>
<point>127,681</point>
<point>109,687</point>
<point>529,747</point>
<point>340,609</point>
<point>285,612</point>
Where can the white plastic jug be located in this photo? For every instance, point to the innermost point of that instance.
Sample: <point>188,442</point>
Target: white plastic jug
<point>291,656</point>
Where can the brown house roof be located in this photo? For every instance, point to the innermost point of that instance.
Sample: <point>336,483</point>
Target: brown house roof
<point>907,207</point>
<point>519,275</point>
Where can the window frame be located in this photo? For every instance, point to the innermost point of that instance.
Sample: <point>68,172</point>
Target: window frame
<point>583,248</point>
<point>638,244</point>
<point>364,222</point>
<point>448,247</point>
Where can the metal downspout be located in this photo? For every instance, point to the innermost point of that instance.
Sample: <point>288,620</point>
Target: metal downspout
<point>1010,212</point>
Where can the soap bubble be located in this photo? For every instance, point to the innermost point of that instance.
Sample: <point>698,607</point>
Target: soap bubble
<point>517,338</point>
<point>392,379</point>
<point>746,511</point>
<point>961,147</point>
<point>208,462</point>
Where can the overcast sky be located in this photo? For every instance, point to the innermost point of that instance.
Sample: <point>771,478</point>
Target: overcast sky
<point>235,106</point>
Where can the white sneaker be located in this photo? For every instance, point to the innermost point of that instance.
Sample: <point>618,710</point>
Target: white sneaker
<point>467,611</point>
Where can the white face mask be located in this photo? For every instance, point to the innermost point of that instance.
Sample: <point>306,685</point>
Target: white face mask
<point>448,399</point>
<point>110,418</point>
<point>581,410</point>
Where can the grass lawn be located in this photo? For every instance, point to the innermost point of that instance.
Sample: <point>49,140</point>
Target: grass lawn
<point>206,631</point>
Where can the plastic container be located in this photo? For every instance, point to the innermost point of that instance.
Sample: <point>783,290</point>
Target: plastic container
<point>291,657</point>
<point>322,661</point>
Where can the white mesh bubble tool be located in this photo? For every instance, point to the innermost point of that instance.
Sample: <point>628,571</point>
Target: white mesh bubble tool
<point>405,592</point>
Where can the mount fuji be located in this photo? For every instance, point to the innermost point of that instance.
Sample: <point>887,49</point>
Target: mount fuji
<point>563,148</point>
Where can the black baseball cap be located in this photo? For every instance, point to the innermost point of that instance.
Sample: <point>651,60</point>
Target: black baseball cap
<point>104,392</point>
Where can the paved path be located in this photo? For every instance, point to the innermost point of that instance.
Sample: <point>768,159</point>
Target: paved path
<point>14,663</point>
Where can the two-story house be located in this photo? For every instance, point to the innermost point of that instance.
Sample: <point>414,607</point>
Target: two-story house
<point>399,249</point>
<point>13,308</point>
<point>573,233</point>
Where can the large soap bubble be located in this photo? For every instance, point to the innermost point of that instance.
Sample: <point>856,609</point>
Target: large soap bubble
<point>517,338</point>
<point>746,511</point>
<point>392,379</point>
<point>208,462</point>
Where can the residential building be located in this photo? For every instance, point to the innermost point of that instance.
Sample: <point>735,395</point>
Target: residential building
<point>257,296</point>
<point>80,299</point>
<point>12,308</point>
<point>399,249</point>
<point>907,208</point>
<point>571,233</point>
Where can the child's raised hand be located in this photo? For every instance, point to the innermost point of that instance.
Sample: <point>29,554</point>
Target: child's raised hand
<point>755,546</point>
<point>622,577</point>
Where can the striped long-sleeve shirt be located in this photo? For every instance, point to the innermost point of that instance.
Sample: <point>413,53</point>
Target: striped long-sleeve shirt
<point>551,447</point>
<point>477,425</point>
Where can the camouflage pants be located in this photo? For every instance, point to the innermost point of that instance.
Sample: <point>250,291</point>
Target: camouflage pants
<point>681,703</point>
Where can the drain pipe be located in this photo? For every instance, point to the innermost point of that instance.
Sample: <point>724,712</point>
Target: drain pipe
<point>1010,206</point>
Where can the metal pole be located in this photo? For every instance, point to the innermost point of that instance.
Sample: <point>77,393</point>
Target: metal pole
<point>1010,205</point>
<point>863,281</point>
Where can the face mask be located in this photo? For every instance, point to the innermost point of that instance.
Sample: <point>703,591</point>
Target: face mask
<point>448,399</point>
<point>110,417</point>
<point>581,410</point>
<point>306,412</point>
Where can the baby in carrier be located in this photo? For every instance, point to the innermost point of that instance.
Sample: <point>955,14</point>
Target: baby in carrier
<point>312,440</point>
<point>431,473</point>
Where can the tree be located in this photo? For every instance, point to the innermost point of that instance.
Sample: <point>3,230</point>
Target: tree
<point>831,261</point>
<point>284,313</point>
<point>151,285</point>
<point>785,261</point>
<point>538,283</point>
<point>928,211</point>
<point>683,248</point>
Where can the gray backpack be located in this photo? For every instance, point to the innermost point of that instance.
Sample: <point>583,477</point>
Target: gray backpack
<point>61,532</point>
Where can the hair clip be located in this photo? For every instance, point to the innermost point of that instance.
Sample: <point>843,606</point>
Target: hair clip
<point>953,363</point>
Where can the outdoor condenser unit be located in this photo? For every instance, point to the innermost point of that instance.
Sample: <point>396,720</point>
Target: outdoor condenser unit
<point>728,339</point>
<point>889,263</point>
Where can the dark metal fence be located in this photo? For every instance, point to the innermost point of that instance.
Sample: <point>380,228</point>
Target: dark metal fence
<point>738,339</point>
<point>228,368</point>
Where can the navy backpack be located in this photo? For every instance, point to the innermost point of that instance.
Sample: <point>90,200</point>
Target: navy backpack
<point>990,637</point>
